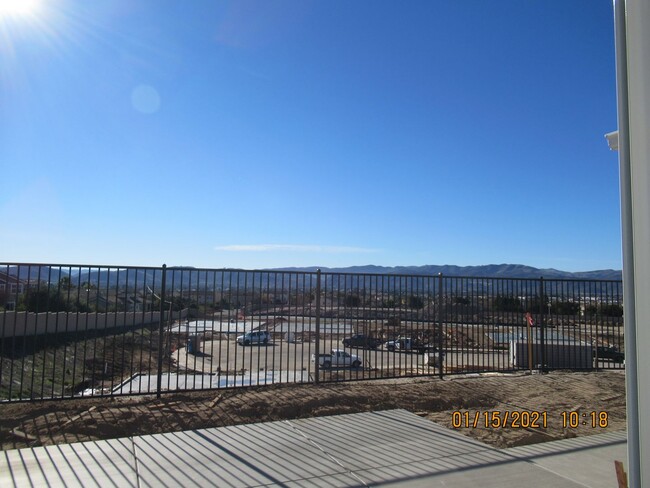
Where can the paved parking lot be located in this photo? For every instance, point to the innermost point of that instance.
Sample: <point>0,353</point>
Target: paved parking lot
<point>292,345</point>
<point>226,355</point>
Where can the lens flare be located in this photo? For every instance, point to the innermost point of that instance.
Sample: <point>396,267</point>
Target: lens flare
<point>16,8</point>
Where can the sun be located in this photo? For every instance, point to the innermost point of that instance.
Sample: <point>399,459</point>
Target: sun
<point>18,8</point>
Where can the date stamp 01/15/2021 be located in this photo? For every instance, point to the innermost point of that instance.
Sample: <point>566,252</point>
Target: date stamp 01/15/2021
<point>528,419</point>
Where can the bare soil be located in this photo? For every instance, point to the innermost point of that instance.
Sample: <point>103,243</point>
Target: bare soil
<point>475,396</point>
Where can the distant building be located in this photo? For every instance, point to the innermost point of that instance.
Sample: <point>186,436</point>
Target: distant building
<point>12,284</point>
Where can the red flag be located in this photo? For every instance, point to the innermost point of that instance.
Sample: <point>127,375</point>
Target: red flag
<point>530,320</point>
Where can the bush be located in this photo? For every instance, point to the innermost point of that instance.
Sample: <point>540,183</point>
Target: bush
<point>611,310</point>
<point>43,300</point>
<point>415,302</point>
<point>352,301</point>
<point>565,308</point>
<point>507,304</point>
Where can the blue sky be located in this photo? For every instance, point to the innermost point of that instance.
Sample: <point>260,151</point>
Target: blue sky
<point>262,134</point>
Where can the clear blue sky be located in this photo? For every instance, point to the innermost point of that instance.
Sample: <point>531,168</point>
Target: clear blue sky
<point>331,133</point>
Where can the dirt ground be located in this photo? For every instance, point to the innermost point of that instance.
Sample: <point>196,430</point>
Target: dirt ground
<point>474,396</point>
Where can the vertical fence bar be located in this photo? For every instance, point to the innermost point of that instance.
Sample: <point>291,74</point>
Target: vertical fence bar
<point>220,336</point>
<point>234,320</point>
<point>288,324</point>
<point>317,345</point>
<point>581,321</point>
<point>148,338</point>
<point>257,303</point>
<point>441,351</point>
<point>136,334</point>
<point>249,295</point>
<point>103,364</point>
<point>299,311</point>
<point>161,327</point>
<point>170,321</point>
<point>542,338</point>
<point>228,316</point>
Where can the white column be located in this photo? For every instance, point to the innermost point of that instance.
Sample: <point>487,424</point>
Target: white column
<point>634,144</point>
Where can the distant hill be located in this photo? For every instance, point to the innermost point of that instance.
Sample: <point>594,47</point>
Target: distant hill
<point>192,278</point>
<point>485,271</point>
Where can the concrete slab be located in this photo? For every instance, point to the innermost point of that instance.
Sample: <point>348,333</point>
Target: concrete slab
<point>397,447</point>
<point>241,456</point>
<point>378,439</point>
<point>102,464</point>
<point>479,471</point>
<point>145,383</point>
<point>586,460</point>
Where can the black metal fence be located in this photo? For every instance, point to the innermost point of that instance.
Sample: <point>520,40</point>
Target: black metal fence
<point>76,331</point>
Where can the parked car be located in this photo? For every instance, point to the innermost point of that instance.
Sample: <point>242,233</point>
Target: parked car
<point>609,352</point>
<point>364,341</point>
<point>408,344</point>
<point>337,358</point>
<point>253,337</point>
<point>434,358</point>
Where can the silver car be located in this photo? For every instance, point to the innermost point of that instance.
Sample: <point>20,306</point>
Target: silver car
<point>253,337</point>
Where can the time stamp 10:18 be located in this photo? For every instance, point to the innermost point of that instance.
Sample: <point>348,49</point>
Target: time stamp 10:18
<point>527,419</point>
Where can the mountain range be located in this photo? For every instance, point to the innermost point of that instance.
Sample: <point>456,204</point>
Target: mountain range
<point>484,271</point>
<point>184,275</point>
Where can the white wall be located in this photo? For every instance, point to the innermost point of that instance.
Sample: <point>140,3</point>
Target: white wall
<point>28,323</point>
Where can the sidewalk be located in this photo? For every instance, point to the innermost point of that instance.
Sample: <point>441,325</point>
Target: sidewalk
<point>392,447</point>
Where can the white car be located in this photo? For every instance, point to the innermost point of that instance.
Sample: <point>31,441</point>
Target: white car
<point>253,337</point>
<point>337,358</point>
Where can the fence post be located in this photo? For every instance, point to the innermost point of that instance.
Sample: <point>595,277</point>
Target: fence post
<point>161,329</point>
<point>440,350</point>
<point>542,324</point>
<point>317,348</point>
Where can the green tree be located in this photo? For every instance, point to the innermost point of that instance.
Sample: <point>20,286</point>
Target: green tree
<point>415,301</point>
<point>506,304</point>
<point>222,304</point>
<point>352,300</point>
<point>565,308</point>
<point>393,322</point>
<point>611,310</point>
<point>65,283</point>
<point>43,300</point>
<point>533,305</point>
<point>180,303</point>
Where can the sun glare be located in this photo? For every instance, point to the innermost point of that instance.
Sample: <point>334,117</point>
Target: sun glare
<point>17,8</point>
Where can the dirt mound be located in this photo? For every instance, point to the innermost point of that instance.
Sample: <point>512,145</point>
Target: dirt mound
<point>462,403</point>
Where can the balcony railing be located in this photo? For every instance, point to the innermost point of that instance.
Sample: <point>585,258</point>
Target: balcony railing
<point>86,331</point>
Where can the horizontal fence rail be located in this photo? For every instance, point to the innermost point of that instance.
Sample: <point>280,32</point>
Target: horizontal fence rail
<point>88,331</point>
